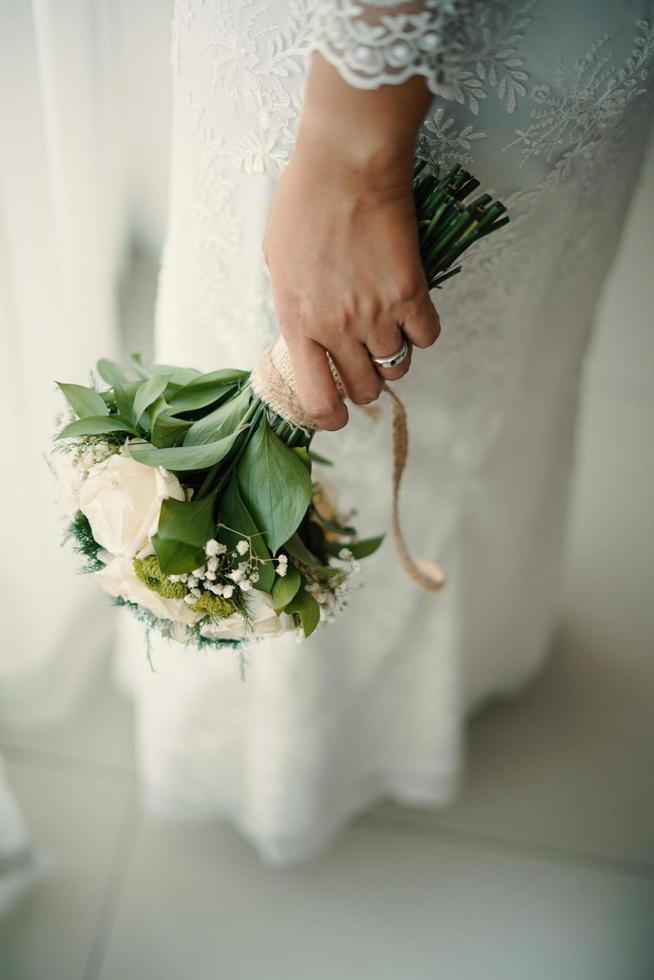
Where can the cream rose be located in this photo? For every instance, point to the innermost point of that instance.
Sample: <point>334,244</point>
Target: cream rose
<point>122,499</point>
<point>118,578</point>
<point>264,622</point>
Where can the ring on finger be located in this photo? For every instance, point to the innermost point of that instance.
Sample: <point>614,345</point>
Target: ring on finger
<point>393,360</point>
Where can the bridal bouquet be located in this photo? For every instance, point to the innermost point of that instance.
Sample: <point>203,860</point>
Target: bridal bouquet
<point>192,496</point>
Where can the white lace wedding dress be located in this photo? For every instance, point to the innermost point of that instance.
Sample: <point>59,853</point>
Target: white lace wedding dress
<point>549,105</point>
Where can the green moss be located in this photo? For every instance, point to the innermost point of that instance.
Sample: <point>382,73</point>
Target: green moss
<point>213,605</point>
<point>149,572</point>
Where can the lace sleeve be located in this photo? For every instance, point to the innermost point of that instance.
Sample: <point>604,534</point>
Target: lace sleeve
<point>378,42</point>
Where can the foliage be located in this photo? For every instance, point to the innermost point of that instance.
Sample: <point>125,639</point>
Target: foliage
<point>184,529</point>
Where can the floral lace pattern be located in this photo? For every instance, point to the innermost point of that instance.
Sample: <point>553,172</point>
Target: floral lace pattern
<point>372,43</point>
<point>573,113</point>
<point>460,46</point>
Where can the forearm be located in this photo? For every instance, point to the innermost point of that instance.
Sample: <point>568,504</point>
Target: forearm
<point>342,241</point>
<point>370,134</point>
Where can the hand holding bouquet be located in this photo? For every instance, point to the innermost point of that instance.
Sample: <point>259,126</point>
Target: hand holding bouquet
<point>193,497</point>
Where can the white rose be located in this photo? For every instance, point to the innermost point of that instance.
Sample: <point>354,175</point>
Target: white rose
<point>119,578</point>
<point>264,622</point>
<point>70,477</point>
<point>122,499</point>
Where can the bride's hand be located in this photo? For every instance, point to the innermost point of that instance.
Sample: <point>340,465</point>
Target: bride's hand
<point>342,244</point>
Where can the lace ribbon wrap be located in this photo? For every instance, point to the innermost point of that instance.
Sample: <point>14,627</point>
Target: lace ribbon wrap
<point>273,382</point>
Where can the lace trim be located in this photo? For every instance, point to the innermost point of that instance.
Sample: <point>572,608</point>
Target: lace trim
<point>385,42</point>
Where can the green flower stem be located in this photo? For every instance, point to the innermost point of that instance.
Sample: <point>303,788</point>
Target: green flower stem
<point>494,227</point>
<point>438,281</point>
<point>480,202</point>
<point>456,242</point>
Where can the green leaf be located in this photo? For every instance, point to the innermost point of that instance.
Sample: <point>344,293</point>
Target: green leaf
<point>155,409</point>
<point>168,431</point>
<point>111,372</point>
<point>297,549</point>
<point>189,400</point>
<point>177,375</point>
<point>183,458</point>
<point>184,529</point>
<point>221,422</point>
<point>275,485</point>
<point>158,369</point>
<point>97,425</point>
<point>138,366</point>
<point>85,402</point>
<point>176,557</point>
<point>307,609</point>
<point>322,460</point>
<point>148,393</point>
<point>205,389</point>
<point>361,549</point>
<point>333,525</point>
<point>286,588</point>
<point>182,376</point>
<point>303,453</point>
<point>239,523</point>
<point>124,396</point>
<point>223,376</point>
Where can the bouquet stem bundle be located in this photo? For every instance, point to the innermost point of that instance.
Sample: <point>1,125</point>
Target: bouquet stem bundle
<point>239,512</point>
<point>448,226</point>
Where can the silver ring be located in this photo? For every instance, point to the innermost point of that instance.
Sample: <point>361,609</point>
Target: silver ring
<point>394,359</point>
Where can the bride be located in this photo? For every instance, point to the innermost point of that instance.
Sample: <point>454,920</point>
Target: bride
<point>295,126</point>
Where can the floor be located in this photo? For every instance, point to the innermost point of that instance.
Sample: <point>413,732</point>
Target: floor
<point>544,867</point>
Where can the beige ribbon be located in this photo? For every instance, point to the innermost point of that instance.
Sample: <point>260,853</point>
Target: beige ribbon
<point>274,382</point>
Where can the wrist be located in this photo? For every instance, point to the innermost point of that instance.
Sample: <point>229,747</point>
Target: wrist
<point>370,135</point>
<point>365,157</point>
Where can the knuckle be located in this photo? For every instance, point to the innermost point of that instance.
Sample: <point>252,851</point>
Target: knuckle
<point>332,424</point>
<point>319,405</point>
<point>370,308</point>
<point>407,288</point>
<point>382,340</point>
<point>340,327</point>
<point>426,332</point>
<point>292,319</point>
<point>368,394</point>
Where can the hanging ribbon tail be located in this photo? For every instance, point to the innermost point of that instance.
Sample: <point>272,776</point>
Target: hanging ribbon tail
<point>424,572</point>
<point>372,411</point>
<point>274,382</point>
